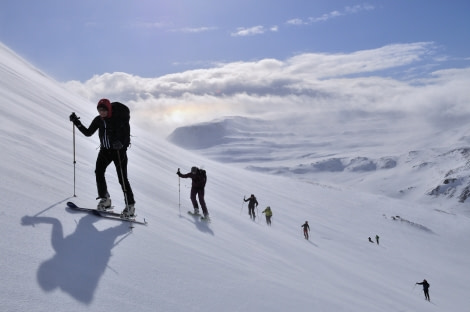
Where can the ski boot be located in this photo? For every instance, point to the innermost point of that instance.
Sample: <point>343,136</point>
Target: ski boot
<point>128,212</point>
<point>104,203</point>
<point>195,212</point>
<point>206,217</point>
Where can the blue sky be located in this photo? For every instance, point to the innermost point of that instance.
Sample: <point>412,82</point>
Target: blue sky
<point>74,40</point>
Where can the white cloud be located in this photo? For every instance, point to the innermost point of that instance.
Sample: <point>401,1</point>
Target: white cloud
<point>242,31</point>
<point>325,17</point>
<point>194,29</point>
<point>295,21</point>
<point>274,28</point>
<point>252,31</point>
<point>358,8</point>
<point>309,82</point>
<point>330,15</point>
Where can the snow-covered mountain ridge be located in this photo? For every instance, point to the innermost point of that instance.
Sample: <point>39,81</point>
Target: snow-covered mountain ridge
<point>230,140</point>
<point>55,259</point>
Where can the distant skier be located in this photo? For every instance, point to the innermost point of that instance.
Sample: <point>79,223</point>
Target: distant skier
<point>114,133</point>
<point>253,203</point>
<point>268,213</point>
<point>377,239</point>
<point>370,240</point>
<point>306,229</point>
<point>199,180</point>
<point>425,289</point>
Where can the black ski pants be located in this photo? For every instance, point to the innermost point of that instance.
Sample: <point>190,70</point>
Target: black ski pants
<point>200,194</point>
<point>251,211</point>
<point>426,294</point>
<point>105,157</point>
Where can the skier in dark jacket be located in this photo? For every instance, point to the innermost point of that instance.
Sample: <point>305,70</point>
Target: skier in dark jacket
<point>425,289</point>
<point>199,180</point>
<point>306,229</point>
<point>113,128</point>
<point>253,203</point>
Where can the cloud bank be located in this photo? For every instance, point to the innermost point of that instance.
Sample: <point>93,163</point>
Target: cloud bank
<point>375,80</point>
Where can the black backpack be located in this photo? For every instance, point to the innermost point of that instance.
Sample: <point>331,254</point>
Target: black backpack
<point>121,116</point>
<point>121,110</point>
<point>201,177</point>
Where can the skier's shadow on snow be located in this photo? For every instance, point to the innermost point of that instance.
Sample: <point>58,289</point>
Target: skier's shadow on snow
<point>312,243</point>
<point>81,258</point>
<point>202,226</point>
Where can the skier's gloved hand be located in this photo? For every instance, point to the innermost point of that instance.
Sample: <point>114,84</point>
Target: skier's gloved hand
<point>117,145</point>
<point>27,220</point>
<point>75,119</point>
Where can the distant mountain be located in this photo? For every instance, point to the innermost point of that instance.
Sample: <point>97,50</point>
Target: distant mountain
<point>372,161</point>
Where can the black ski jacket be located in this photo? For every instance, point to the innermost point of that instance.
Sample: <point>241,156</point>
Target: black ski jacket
<point>252,202</point>
<point>112,129</point>
<point>425,285</point>
<point>198,180</point>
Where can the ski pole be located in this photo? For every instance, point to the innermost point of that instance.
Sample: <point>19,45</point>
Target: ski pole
<point>74,161</point>
<point>243,203</point>
<point>179,192</point>
<point>124,185</point>
<point>122,179</point>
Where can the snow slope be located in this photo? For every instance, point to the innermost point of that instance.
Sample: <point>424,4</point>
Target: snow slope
<point>55,259</point>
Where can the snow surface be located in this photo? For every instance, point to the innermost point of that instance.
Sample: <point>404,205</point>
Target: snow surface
<point>54,259</point>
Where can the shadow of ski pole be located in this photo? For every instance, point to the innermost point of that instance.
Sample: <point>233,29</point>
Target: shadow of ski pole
<point>52,206</point>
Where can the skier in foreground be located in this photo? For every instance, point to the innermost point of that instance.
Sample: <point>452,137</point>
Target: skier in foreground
<point>425,289</point>
<point>251,206</point>
<point>306,229</point>
<point>199,180</point>
<point>114,133</point>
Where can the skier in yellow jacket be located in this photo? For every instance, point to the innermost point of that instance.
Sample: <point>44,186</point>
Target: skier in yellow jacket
<point>268,213</point>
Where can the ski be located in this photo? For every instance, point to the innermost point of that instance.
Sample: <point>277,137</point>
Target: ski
<point>101,212</point>
<point>118,218</point>
<point>105,214</point>
<point>194,214</point>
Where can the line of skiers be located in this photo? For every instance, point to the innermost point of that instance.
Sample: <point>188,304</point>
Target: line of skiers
<point>113,128</point>
<point>112,124</point>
